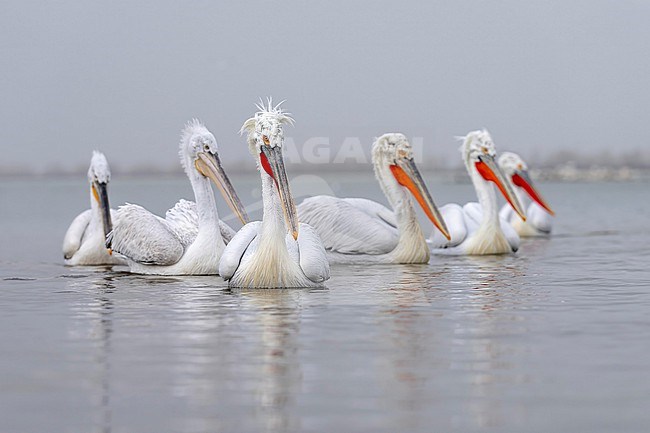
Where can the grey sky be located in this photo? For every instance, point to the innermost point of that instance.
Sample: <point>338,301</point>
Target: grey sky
<point>123,77</point>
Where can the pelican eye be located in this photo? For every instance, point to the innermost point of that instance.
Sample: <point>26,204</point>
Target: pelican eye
<point>206,148</point>
<point>485,150</point>
<point>265,139</point>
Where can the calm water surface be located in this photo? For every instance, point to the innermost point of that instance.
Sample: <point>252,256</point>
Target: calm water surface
<point>554,338</point>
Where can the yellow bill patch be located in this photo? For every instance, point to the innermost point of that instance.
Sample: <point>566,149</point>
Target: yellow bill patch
<point>95,194</point>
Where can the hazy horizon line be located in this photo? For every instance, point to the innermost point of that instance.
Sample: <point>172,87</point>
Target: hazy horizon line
<point>635,160</point>
<point>563,171</point>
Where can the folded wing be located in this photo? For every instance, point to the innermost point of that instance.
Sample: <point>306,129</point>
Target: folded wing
<point>74,235</point>
<point>234,251</point>
<point>350,226</point>
<point>457,225</point>
<point>539,218</point>
<point>313,259</point>
<point>146,238</point>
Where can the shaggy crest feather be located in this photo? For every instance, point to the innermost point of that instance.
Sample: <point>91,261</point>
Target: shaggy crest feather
<point>385,149</point>
<point>510,161</point>
<point>477,141</point>
<point>482,136</point>
<point>192,127</point>
<point>266,116</point>
<point>276,110</point>
<point>99,169</point>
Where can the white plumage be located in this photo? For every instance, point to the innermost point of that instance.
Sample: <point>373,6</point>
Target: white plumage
<point>539,221</point>
<point>476,228</point>
<point>276,252</point>
<point>84,241</point>
<point>351,226</point>
<point>357,230</point>
<point>191,238</point>
<point>261,257</point>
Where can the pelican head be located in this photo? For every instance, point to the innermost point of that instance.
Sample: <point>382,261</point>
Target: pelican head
<point>393,151</point>
<point>99,174</point>
<point>517,170</point>
<point>265,141</point>
<point>200,159</point>
<point>479,155</point>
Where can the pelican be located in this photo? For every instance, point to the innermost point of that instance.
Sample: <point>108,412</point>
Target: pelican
<point>538,213</point>
<point>83,243</point>
<point>357,230</point>
<point>191,238</point>
<point>277,252</point>
<point>476,228</point>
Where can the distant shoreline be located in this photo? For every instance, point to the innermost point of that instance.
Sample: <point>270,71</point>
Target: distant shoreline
<point>562,173</point>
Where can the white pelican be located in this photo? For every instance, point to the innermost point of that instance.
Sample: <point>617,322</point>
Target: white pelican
<point>84,242</point>
<point>476,227</point>
<point>357,230</point>
<point>538,213</point>
<point>276,252</point>
<point>191,238</point>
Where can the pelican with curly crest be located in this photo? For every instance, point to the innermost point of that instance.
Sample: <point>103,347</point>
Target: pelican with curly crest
<point>358,230</point>
<point>538,212</point>
<point>476,228</point>
<point>83,243</point>
<point>191,237</point>
<point>277,252</point>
